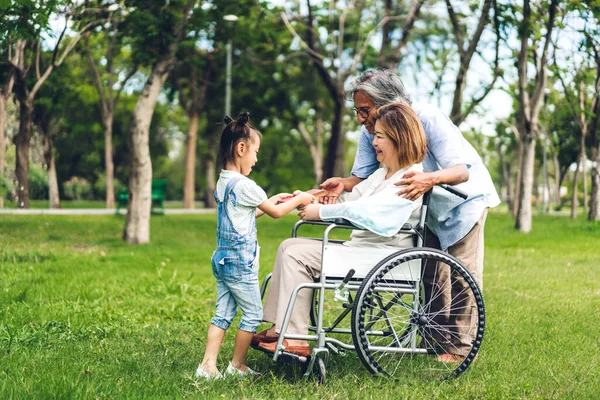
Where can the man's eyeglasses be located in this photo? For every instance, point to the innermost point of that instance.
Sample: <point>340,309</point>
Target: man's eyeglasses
<point>363,112</point>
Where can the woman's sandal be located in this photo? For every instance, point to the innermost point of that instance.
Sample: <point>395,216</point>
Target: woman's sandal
<point>263,337</point>
<point>303,351</point>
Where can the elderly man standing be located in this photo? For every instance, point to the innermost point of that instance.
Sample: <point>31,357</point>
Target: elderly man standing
<point>454,225</point>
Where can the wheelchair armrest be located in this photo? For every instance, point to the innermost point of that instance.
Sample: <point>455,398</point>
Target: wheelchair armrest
<point>339,223</point>
<point>342,222</point>
<point>345,223</point>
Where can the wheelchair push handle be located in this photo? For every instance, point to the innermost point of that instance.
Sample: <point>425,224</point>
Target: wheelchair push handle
<point>455,191</point>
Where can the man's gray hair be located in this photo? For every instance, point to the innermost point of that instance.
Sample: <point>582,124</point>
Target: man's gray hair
<point>382,86</point>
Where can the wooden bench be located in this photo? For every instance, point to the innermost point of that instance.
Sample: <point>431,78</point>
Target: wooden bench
<point>158,191</point>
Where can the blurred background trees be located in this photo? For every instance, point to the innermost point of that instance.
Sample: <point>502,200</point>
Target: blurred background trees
<point>521,79</point>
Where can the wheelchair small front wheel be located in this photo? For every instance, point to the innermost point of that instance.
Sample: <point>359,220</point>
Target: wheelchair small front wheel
<point>320,370</point>
<point>418,314</point>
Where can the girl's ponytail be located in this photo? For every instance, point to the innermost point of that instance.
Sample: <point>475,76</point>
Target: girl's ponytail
<point>243,118</point>
<point>234,132</point>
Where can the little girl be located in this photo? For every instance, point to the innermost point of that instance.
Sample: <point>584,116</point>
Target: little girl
<point>235,261</point>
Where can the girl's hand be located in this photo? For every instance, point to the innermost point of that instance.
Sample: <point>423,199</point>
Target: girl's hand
<point>310,212</point>
<point>281,197</point>
<point>304,198</point>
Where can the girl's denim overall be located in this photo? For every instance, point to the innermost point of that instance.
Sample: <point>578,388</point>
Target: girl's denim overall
<point>235,266</point>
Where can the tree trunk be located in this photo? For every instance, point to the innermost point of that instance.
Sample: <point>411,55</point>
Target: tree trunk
<point>547,190</point>
<point>189,187</point>
<point>506,171</point>
<point>460,84</point>
<point>336,149</point>
<point>21,140</point>
<point>318,163</point>
<point>557,180</point>
<point>594,213</point>
<point>517,194</point>
<point>536,188</point>
<point>584,131</point>
<point>211,183</point>
<point>315,146</point>
<point>523,219</point>
<point>137,225</point>
<point>466,49</point>
<point>574,201</point>
<point>52,180</point>
<point>386,40</point>
<point>530,106</point>
<point>109,165</point>
<point>584,177</point>
<point>53,185</point>
<point>2,142</point>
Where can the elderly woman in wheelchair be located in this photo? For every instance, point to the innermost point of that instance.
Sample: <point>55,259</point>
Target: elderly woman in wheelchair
<point>389,315</point>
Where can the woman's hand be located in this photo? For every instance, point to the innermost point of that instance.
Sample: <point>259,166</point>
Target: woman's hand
<point>310,212</point>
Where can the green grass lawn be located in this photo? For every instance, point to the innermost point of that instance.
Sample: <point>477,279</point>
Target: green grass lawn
<point>83,315</point>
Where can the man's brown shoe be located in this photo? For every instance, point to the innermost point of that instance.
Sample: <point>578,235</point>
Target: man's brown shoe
<point>451,358</point>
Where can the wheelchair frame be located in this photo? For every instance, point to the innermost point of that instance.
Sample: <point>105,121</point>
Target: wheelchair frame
<point>372,282</point>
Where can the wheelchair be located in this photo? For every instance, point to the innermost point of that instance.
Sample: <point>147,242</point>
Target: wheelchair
<point>389,308</point>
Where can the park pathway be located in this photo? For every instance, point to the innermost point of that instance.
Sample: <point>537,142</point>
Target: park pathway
<point>97,211</point>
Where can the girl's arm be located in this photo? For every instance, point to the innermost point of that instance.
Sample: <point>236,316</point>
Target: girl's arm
<point>274,210</point>
<point>274,199</point>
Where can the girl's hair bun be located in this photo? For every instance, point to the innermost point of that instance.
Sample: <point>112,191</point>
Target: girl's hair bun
<point>227,120</point>
<point>243,118</point>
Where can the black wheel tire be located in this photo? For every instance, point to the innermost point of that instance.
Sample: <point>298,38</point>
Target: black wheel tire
<point>420,322</point>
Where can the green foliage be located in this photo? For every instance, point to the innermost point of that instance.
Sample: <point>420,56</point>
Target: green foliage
<point>77,189</point>
<point>99,187</point>
<point>151,26</point>
<point>26,19</point>
<point>271,77</point>
<point>6,187</point>
<point>70,102</point>
<point>38,182</point>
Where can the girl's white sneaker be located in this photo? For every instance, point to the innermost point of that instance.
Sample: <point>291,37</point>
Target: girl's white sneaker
<point>233,371</point>
<point>202,373</point>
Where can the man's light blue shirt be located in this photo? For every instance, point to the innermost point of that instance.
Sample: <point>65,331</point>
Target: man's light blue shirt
<point>449,217</point>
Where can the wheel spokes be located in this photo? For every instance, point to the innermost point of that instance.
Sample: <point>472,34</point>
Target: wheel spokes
<point>403,333</point>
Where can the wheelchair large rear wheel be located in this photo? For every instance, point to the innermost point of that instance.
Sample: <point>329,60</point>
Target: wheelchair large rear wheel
<point>409,328</point>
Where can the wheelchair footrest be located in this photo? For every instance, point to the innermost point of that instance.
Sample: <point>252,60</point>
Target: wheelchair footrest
<point>284,356</point>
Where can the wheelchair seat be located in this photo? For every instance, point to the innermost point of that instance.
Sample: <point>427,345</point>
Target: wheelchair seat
<point>338,260</point>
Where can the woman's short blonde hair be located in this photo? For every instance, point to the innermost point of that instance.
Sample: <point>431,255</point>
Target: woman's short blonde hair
<point>401,124</point>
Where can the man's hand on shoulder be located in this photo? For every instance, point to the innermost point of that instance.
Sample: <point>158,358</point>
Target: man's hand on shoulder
<point>416,184</point>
